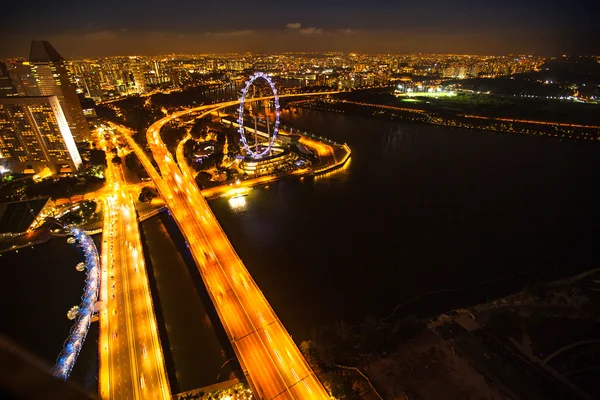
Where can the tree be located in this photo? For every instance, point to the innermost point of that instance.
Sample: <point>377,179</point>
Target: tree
<point>116,160</point>
<point>233,146</point>
<point>200,129</point>
<point>305,348</point>
<point>147,194</point>
<point>133,164</point>
<point>171,134</point>
<point>340,388</point>
<point>202,179</point>
<point>188,149</point>
<point>97,157</point>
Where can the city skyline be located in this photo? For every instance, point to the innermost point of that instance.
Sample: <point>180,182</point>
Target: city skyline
<point>327,199</point>
<point>466,27</point>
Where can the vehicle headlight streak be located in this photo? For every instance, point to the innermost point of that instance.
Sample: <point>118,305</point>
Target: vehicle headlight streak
<point>242,99</point>
<point>67,357</point>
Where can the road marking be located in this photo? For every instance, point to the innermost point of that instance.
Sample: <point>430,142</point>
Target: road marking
<point>307,387</point>
<point>278,356</point>
<point>295,374</point>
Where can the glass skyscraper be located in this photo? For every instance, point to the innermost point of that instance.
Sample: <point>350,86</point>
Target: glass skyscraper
<point>34,134</point>
<point>53,78</point>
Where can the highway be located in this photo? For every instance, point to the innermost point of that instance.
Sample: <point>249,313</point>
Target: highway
<point>271,361</point>
<point>131,359</point>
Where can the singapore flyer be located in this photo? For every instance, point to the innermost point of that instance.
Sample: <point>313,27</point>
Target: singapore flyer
<point>257,154</point>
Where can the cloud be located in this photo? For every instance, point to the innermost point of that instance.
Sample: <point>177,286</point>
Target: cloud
<point>346,31</point>
<point>304,31</point>
<point>230,33</point>
<point>101,35</point>
<point>310,31</point>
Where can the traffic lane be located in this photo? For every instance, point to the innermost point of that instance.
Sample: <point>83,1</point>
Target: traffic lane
<point>265,376</point>
<point>261,313</point>
<point>233,313</point>
<point>281,347</point>
<point>218,285</point>
<point>144,333</point>
<point>121,361</point>
<point>123,313</point>
<point>215,227</point>
<point>293,365</point>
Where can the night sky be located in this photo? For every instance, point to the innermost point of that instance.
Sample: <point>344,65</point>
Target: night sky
<point>100,28</point>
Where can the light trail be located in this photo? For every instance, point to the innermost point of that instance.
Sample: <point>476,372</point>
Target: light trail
<point>240,304</point>
<point>131,359</point>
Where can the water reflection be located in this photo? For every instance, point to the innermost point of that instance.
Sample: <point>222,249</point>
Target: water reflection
<point>238,203</point>
<point>418,208</point>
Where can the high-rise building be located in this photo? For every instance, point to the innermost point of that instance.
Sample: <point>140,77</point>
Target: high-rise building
<point>24,80</point>
<point>7,87</point>
<point>138,71</point>
<point>34,134</point>
<point>53,78</point>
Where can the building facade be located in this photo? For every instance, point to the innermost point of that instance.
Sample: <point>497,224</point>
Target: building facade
<point>34,134</point>
<point>137,68</point>
<point>7,87</point>
<point>53,79</point>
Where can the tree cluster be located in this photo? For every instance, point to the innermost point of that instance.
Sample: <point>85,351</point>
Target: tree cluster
<point>147,194</point>
<point>64,187</point>
<point>346,344</point>
<point>134,165</point>
<point>203,179</point>
<point>171,134</point>
<point>97,157</point>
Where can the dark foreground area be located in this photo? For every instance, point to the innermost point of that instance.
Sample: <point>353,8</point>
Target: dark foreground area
<point>540,343</point>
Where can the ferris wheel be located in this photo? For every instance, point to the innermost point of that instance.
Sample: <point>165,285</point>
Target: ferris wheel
<point>256,153</point>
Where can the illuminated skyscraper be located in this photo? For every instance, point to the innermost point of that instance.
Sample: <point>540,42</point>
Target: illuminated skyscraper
<point>139,74</point>
<point>7,87</point>
<point>34,134</point>
<point>24,80</point>
<point>53,78</point>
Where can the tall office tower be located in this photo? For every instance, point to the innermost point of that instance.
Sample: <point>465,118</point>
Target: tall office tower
<point>24,80</point>
<point>138,71</point>
<point>34,134</point>
<point>7,87</point>
<point>53,78</point>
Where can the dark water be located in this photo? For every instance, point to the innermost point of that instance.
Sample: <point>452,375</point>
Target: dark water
<point>193,340</point>
<point>38,286</point>
<point>420,208</point>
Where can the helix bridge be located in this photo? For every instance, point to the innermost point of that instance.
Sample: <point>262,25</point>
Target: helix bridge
<point>67,357</point>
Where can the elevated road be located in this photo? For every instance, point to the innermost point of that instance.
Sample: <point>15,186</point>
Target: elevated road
<point>131,359</point>
<point>273,364</point>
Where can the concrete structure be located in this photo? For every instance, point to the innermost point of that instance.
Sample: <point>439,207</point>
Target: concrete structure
<point>279,159</point>
<point>53,78</point>
<point>34,135</point>
<point>18,216</point>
